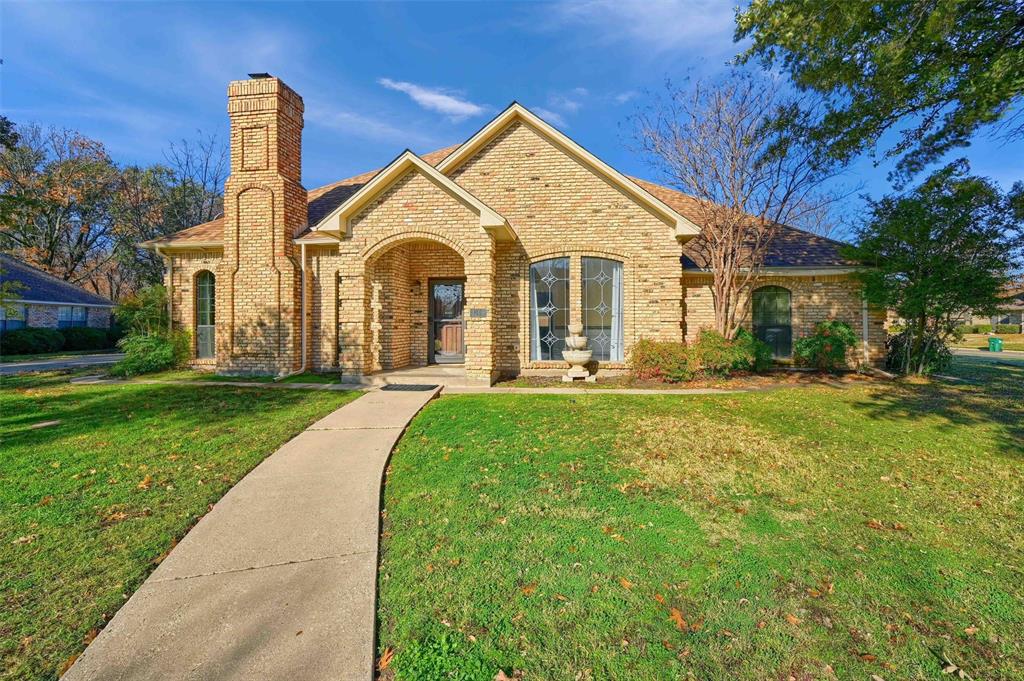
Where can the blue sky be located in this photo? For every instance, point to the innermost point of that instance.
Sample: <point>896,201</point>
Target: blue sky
<point>376,78</point>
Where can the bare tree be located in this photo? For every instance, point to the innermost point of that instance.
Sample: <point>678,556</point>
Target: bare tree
<point>200,167</point>
<point>725,143</point>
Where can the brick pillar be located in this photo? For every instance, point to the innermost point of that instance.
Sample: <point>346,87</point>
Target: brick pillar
<point>480,336</point>
<point>258,296</point>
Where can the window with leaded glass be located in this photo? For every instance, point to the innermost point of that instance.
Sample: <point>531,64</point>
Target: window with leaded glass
<point>549,308</point>
<point>205,346</point>
<point>602,308</point>
<point>772,317</point>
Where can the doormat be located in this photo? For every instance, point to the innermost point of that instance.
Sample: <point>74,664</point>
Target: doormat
<point>408,386</point>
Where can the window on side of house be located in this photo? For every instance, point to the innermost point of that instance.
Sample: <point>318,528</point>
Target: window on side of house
<point>602,308</point>
<point>772,319</point>
<point>13,317</point>
<point>70,316</point>
<point>549,308</point>
<point>205,308</point>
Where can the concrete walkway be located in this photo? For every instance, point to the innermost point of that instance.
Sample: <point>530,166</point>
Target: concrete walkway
<point>71,362</point>
<point>278,581</point>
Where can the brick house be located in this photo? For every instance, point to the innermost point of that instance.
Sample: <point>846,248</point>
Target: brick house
<point>478,255</point>
<point>45,301</point>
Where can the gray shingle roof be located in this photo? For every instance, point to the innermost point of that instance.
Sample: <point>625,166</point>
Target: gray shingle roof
<point>40,286</point>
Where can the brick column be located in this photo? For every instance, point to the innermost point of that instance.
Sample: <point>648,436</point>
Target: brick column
<point>480,316</point>
<point>258,281</point>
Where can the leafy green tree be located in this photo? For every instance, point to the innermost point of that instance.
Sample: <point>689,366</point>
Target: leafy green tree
<point>936,71</point>
<point>144,313</point>
<point>939,252</point>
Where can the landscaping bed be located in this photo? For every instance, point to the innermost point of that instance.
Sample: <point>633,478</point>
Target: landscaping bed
<point>89,505</point>
<point>738,381</point>
<point>814,533</point>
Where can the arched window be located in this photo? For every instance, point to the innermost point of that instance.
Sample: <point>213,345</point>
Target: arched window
<point>773,321</point>
<point>602,308</point>
<point>205,304</point>
<point>549,308</point>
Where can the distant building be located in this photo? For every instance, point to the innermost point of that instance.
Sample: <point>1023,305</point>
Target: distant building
<point>44,301</point>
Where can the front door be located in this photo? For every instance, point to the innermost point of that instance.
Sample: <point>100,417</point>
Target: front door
<point>447,326</point>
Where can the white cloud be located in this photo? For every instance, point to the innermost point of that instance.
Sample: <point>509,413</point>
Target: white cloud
<point>564,103</point>
<point>626,96</point>
<point>550,116</point>
<point>446,102</point>
<point>655,26</point>
<point>362,126</point>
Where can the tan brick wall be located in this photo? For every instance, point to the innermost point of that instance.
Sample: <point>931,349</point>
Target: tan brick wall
<point>814,299</point>
<point>181,285</point>
<point>264,206</point>
<point>560,207</point>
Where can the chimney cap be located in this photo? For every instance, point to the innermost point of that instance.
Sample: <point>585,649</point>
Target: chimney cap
<point>256,76</point>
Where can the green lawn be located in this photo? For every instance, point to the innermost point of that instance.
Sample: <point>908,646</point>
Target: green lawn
<point>799,533</point>
<point>89,506</point>
<point>1011,341</point>
<point>192,375</point>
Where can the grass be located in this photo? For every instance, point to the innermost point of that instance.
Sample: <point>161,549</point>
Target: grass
<point>190,375</point>
<point>63,354</point>
<point>979,341</point>
<point>90,505</point>
<point>810,533</point>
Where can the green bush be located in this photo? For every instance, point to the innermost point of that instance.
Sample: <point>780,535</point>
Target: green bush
<point>1007,328</point>
<point>962,329</point>
<point>710,355</point>
<point>144,312</point>
<point>31,341</point>
<point>982,328</point>
<point>937,357</point>
<point>84,338</point>
<point>114,333</point>
<point>660,361</point>
<point>752,353</point>
<point>146,353</point>
<point>826,348</point>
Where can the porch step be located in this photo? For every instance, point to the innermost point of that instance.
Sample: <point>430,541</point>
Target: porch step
<point>444,375</point>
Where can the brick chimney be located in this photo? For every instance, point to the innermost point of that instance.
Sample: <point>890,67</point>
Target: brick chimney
<point>264,207</point>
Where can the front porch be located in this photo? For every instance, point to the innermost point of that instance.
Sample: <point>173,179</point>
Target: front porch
<point>447,375</point>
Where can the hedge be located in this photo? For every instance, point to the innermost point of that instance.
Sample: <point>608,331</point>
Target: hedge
<point>31,341</point>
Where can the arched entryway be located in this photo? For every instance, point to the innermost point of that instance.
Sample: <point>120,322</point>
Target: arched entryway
<point>416,293</point>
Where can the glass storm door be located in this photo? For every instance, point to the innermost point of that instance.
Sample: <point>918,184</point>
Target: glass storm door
<point>447,326</point>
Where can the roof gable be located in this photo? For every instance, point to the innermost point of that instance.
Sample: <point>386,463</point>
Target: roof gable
<point>336,222</point>
<point>684,227</point>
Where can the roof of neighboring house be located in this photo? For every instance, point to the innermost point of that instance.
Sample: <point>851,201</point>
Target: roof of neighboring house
<point>791,247</point>
<point>41,286</point>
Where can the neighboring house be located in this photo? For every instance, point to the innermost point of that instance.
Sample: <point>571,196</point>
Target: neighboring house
<point>44,301</point>
<point>480,254</point>
<point>1011,311</point>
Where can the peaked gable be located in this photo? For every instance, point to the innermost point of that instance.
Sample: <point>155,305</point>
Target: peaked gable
<point>684,228</point>
<point>336,223</point>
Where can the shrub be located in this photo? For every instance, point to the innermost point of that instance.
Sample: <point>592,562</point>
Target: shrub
<point>145,312</point>
<point>146,353</point>
<point>84,338</point>
<point>713,353</point>
<point>826,348</point>
<point>962,329</point>
<point>937,357</point>
<point>1007,328</point>
<point>660,361</point>
<point>982,328</point>
<point>752,353</point>
<point>114,333</point>
<point>31,341</point>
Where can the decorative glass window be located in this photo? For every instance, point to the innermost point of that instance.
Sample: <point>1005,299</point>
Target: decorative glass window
<point>773,319</point>
<point>602,308</point>
<point>205,327</point>
<point>549,308</point>
<point>12,317</point>
<point>70,316</point>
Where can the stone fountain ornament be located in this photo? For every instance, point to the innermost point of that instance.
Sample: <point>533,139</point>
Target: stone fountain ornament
<point>577,354</point>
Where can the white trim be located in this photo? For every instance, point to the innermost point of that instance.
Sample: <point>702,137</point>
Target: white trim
<point>336,222</point>
<point>155,246</point>
<point>684,228</point>
<point>57,302</point>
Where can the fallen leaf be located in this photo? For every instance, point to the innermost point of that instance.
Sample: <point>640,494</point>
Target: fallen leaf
<point>626,584</point>
<point>27,539</point>
<point>385,659</point>
<point>761,624</point>
<point>594,589</point>
<point>529,588</point>
<point>47,500</point>
<point>561,597</point>
<point>676,616</point>
<point>792,619</point>
<point>90,636</point>
<point>971,631</point>
<point>146,483</point>
<point>667,645</point>
<point>659,598</point>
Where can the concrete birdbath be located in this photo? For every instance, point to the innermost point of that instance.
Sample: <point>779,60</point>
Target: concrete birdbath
<point>577,355</point>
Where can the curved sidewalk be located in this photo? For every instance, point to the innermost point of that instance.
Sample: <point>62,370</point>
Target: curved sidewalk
<point>278,580</point>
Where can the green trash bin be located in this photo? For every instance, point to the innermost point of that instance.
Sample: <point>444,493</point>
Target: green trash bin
<point>995,344</point>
